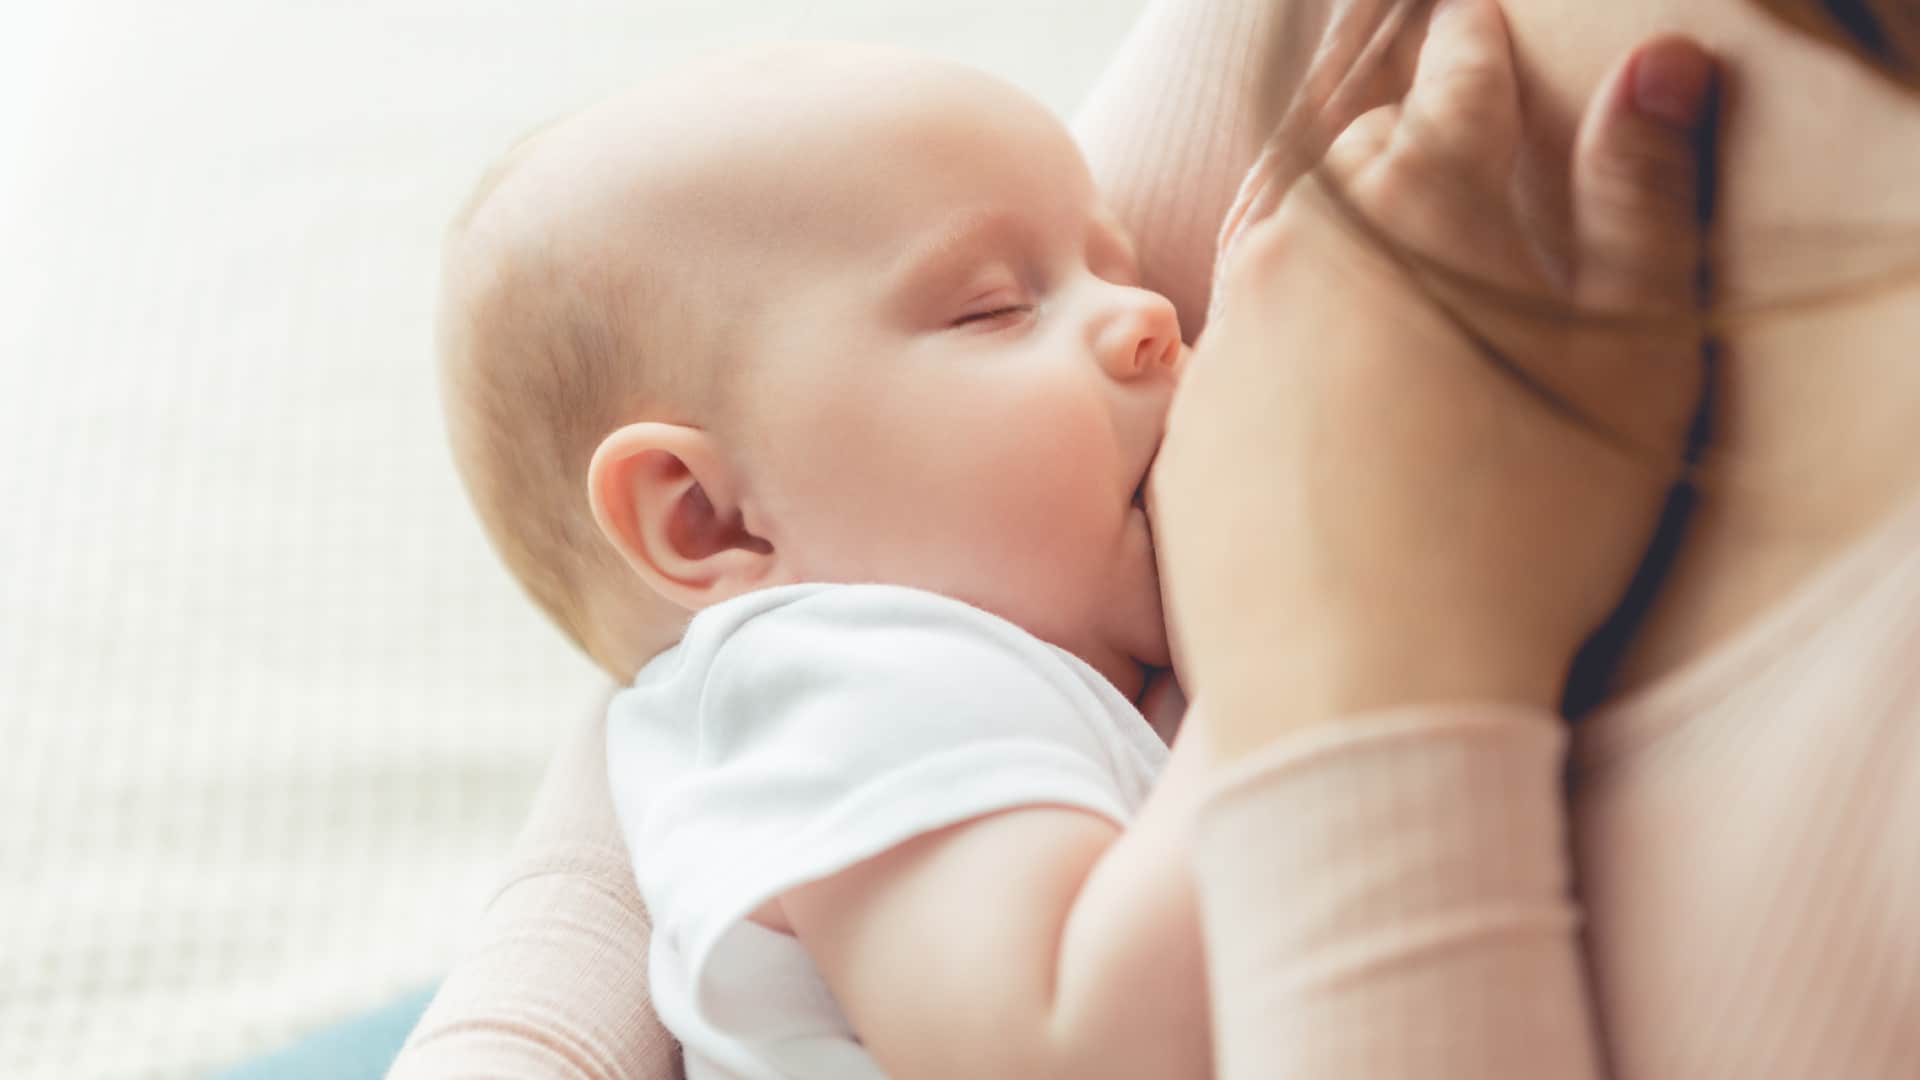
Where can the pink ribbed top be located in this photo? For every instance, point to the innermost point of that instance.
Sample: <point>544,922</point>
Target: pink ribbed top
<point>1745,844</point>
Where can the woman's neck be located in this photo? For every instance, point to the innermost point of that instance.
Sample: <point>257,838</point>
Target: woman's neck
<point>1817,416</point>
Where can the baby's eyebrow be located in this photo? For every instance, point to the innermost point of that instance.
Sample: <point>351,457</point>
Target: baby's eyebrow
<point>945,251</point>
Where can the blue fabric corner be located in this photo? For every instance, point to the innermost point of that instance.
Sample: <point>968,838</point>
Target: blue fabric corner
<point>362,1048</point>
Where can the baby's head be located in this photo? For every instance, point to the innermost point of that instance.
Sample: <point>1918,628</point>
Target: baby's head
<point>809,313</point>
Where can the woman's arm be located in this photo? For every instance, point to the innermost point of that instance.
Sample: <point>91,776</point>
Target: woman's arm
<point>1391,901</point>
<point>556,984</point>
<point>1378,625</point>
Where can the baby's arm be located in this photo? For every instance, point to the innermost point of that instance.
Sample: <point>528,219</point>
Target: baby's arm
<point>1039,942</point>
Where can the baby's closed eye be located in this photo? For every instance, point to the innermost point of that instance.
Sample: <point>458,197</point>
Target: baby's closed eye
<point>992,314</point>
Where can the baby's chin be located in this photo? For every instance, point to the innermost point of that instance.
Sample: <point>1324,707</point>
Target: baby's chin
<point>1129,650</point>
<point>1146,643</point>
<point>1141,627</point>
<point>1157,655</point>
<point>1155,649</point>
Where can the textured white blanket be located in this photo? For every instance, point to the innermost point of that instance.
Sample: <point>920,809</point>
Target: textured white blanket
<point>269,711</point>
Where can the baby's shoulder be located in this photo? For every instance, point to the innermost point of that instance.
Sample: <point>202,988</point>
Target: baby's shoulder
<point>816,657</point>
<point>876,627</point>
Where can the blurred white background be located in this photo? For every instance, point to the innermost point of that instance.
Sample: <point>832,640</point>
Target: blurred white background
<point>270,713</point>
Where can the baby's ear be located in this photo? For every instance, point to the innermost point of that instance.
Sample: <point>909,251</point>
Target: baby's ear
<point>665,496</point>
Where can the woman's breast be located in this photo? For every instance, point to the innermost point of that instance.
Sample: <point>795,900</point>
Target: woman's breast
<point>1746,837</point>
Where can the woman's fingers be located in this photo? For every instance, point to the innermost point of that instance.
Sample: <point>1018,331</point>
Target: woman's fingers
<point>1439,184</point>
<point>1456,128</point>
<point>1640,187</point>
<point>1363,142</point>
<point>1463,112</point>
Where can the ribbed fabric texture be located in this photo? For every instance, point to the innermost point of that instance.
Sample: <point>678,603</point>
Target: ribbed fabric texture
<point>556,985</point>
<point>1170,131</point>
<point>1747,840</point>
<point>1387,899</point>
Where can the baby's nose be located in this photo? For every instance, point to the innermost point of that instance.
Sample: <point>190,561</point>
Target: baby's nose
<point>1142,337</point>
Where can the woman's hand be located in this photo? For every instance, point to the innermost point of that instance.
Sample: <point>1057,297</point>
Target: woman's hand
<point>1355,506</point>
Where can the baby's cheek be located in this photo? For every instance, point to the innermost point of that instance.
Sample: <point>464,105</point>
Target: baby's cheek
<point>1065,524</point>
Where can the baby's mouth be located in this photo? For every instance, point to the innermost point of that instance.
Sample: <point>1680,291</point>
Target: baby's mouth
<point>1146,516</point>
<point>1140,489</point>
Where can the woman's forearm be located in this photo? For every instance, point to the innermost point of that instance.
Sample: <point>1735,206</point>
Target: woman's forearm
<point>1389,898</point>
<point>556,986</point>
<point>556,982</point>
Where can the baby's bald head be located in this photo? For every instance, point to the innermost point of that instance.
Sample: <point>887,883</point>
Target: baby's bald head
<point>613,266</point>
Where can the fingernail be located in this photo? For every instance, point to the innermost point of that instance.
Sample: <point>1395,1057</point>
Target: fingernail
<point>1671,82</point>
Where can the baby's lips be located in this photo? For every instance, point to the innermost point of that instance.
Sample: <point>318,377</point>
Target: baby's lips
<point>1143,495</point>
<point>1182,352</point>
<point>1141,491</point>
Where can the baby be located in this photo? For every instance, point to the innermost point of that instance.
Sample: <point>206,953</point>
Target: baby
<point>812,391</point>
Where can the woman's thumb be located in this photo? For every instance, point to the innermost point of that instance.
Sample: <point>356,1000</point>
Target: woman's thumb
<point>1642,178</point>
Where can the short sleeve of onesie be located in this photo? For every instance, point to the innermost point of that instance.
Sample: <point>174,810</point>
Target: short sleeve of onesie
<point>797,731</point>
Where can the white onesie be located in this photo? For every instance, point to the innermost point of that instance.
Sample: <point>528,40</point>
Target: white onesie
<point>797,731</point>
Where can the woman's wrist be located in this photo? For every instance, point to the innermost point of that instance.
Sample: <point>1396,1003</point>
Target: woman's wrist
<point>1253,702</point>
